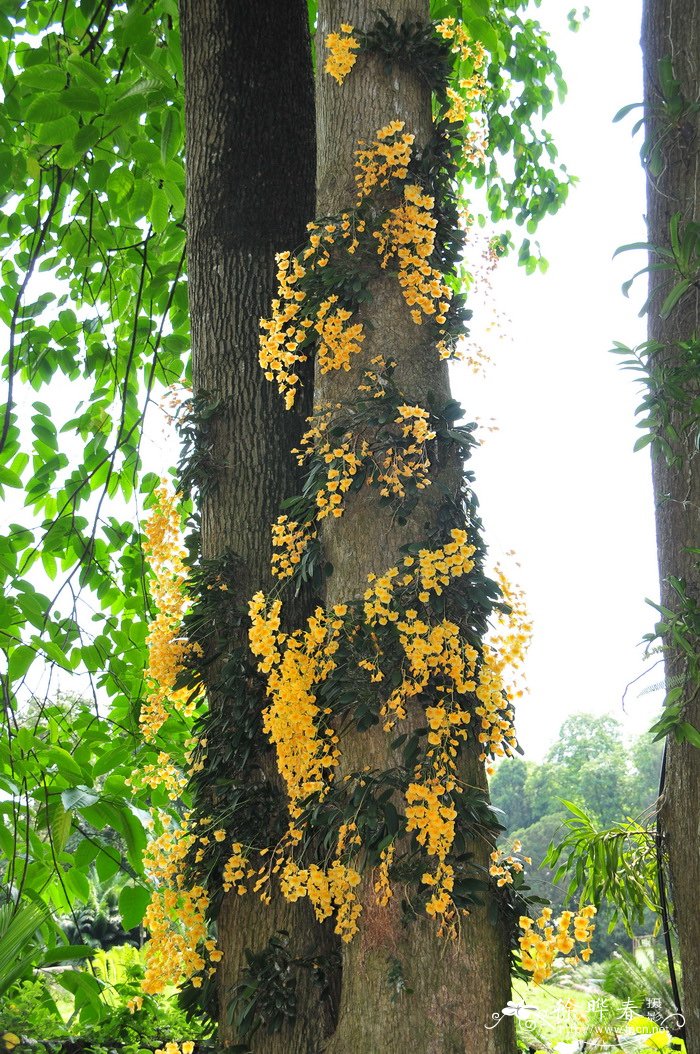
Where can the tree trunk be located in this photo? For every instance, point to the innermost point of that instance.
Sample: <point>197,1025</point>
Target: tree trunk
<point>456,985</point>
<point>250,192</point>
<point>671,31</point>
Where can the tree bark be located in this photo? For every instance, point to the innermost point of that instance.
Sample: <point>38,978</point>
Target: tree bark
<point>250,192</point>
<point>456,985</point>
<point>671,30</point>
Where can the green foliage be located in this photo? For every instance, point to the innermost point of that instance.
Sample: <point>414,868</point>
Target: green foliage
<point>95,308</point>
<point>583,738</point>
<point>592,767</point>
<point>412,45</point>
<point>544,787</point>
<point>670,409</point>
<point>577,19</point>
<point>674,110</point>
<point>524,79</point>
<point>681,260</point>
<point>33,1010</point>
<point>64,773</point>
<point>73,835</point>
<point>641,980</point>
<point>18,927</point>
<point>155,1021</point>
<point>507,792</point>
<point>99,923</point>
<point>588,765</point>
<point>680,631</point>
<point>671,112</point>
<point>610,934</point>
<point>196,469</point>
<point>266,993</point>
<point>536,840</point>
<point>93,193</point>
<point>30,1010</point>
<point>615,864</point>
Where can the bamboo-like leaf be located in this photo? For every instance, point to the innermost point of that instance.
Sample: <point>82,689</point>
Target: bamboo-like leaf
<point>18,950</point>
<point>677,293</point>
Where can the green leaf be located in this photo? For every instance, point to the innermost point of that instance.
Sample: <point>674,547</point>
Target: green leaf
<point>70,153</point>
<point>159,212</point>
<point>86,988</point>
<point>579,813</point>
<point>85,853</point>
<point>140,200</point>
<point>648,246</point>
<point>689,733</point>
<point>120,184</point>
<point>46,77</point>
<point>55,132</point>
<point>18,925</point>
<point>133,901</point>
<point>626,109</point>
<point>78,884</point>
<point>167,136</point>
<point>482,30</point>
<point>60,827</point>
<point>21,658</point>
<point>136,27</point>
<point>8,478</point>
<point>674,296</point>
<point>45,108</point>
<point>669,84</point>
<point>108,760</point>
<point>107,863</point>
<point>65,764</point>
<point>66,953</point>
<point>80,67</point>
<point>78,797</point>
<point>82,98</point>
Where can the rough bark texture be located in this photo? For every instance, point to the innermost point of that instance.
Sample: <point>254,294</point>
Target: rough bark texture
<point>250,193</point>
<point>456,986</point>
<point>671,29</point>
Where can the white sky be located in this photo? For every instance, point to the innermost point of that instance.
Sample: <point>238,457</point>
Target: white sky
<point>559,482</point>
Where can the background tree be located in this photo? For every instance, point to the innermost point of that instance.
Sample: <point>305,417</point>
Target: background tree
<point>544,790</point>
<point>367,539</point>
<point>530,789</point>
<point>507,787</point>
<point>588,765</point>
<point>250,140</point>
<point>583,738</point>
<point>610,787</point>
<point>671,154</point>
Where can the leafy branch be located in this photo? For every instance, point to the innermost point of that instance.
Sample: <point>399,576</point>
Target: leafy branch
<point>615,864</point>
